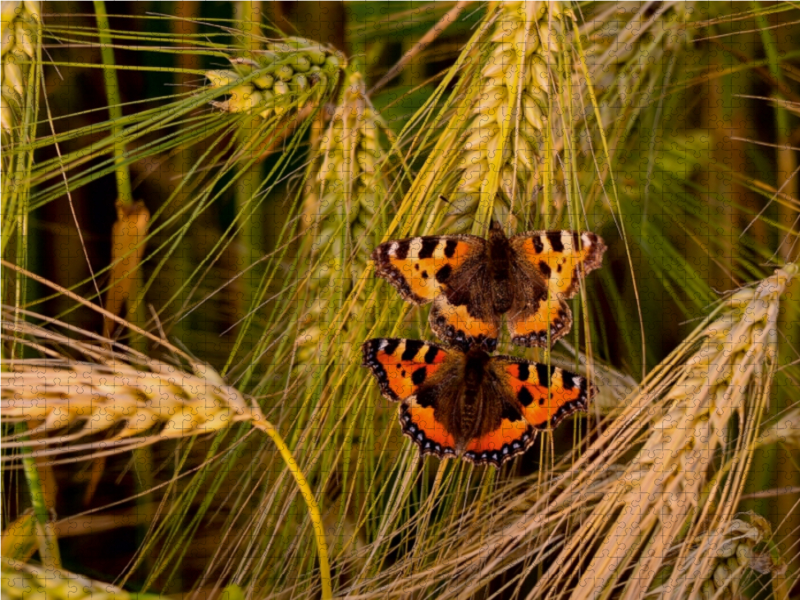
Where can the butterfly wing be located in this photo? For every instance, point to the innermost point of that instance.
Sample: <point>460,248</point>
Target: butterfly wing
<point>422,268</point>
<point>554,262</point>
<point>545,395</point>
<point>402,366</point>
<point>413,373</point>
<point>506,435</point>
<point>466,319</point>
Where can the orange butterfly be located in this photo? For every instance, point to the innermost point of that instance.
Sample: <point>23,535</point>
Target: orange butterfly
<point>486,409</point>
<point>472,281</point>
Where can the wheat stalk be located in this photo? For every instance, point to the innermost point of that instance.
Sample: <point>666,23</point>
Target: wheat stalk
<point>134,398</point>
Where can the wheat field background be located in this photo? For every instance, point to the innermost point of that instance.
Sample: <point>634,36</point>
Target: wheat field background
<point>191,192</point>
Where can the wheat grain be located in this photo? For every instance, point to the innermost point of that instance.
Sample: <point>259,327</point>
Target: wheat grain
<point>119,398</point>
<point>618,41</point>
<point>349,188</point>
<point>725,376</point>
<point>18,37</point>
<point>733,553</point>
<point>505,133</point>
<point>280,79</point>
<point>786,430</point>
<point>20,580</point>
<point>118,392</point>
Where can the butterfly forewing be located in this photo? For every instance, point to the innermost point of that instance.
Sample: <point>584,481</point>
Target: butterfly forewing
<point>422,268</point>
<point>546,395</point>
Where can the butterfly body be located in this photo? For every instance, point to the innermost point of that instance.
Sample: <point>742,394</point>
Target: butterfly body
<point>486,409</point>
<point>473,281</point>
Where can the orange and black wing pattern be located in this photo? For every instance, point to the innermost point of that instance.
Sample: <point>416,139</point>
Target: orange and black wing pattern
<point>512,437</point>
<point>419,422</point>
<point>422,267</point>
<point>545,395</point>
<point>548,262</point>
<point>473,322</point>
<point>403,368</point>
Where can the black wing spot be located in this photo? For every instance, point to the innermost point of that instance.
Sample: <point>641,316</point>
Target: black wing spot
<point>524,372</point>
<point>430,355</point>
<point>510,413</point>
<point>418,376</point>
<point>545,269</point>
<point>427,397</point>
<point>524,396</point>
<point>412,347</point>
<point>450,248</point>
<point>443,274</point>
<point>555,241</point>
<point>391,346</point>
<point>568,380</point>
<point>538,245</point>
<point>401,252</point>
<point>543,373</point>
<point>428,246</point>
<point>424,274</point>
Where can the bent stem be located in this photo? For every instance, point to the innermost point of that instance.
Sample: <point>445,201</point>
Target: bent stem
<point>319,533</point>
<point>48,543</point>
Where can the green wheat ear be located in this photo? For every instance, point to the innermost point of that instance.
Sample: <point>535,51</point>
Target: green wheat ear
<point>278,80</point>
<point>18,35</point>
<point>348,189</point>
<point>505,133</point>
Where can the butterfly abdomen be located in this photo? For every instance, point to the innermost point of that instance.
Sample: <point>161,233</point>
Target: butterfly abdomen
<point>470,409</point>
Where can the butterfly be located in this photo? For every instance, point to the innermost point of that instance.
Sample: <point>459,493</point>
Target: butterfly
<point>472,281</point>
<point>483,408</point>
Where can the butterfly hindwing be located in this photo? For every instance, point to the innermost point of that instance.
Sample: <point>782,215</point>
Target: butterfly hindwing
<point>420,424</point>
<point>510,438</point>
<point>545,394</point>
<point>471,323</point>
<point>532,315</point>
<point>422,268</point>
<point>548,262</point>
